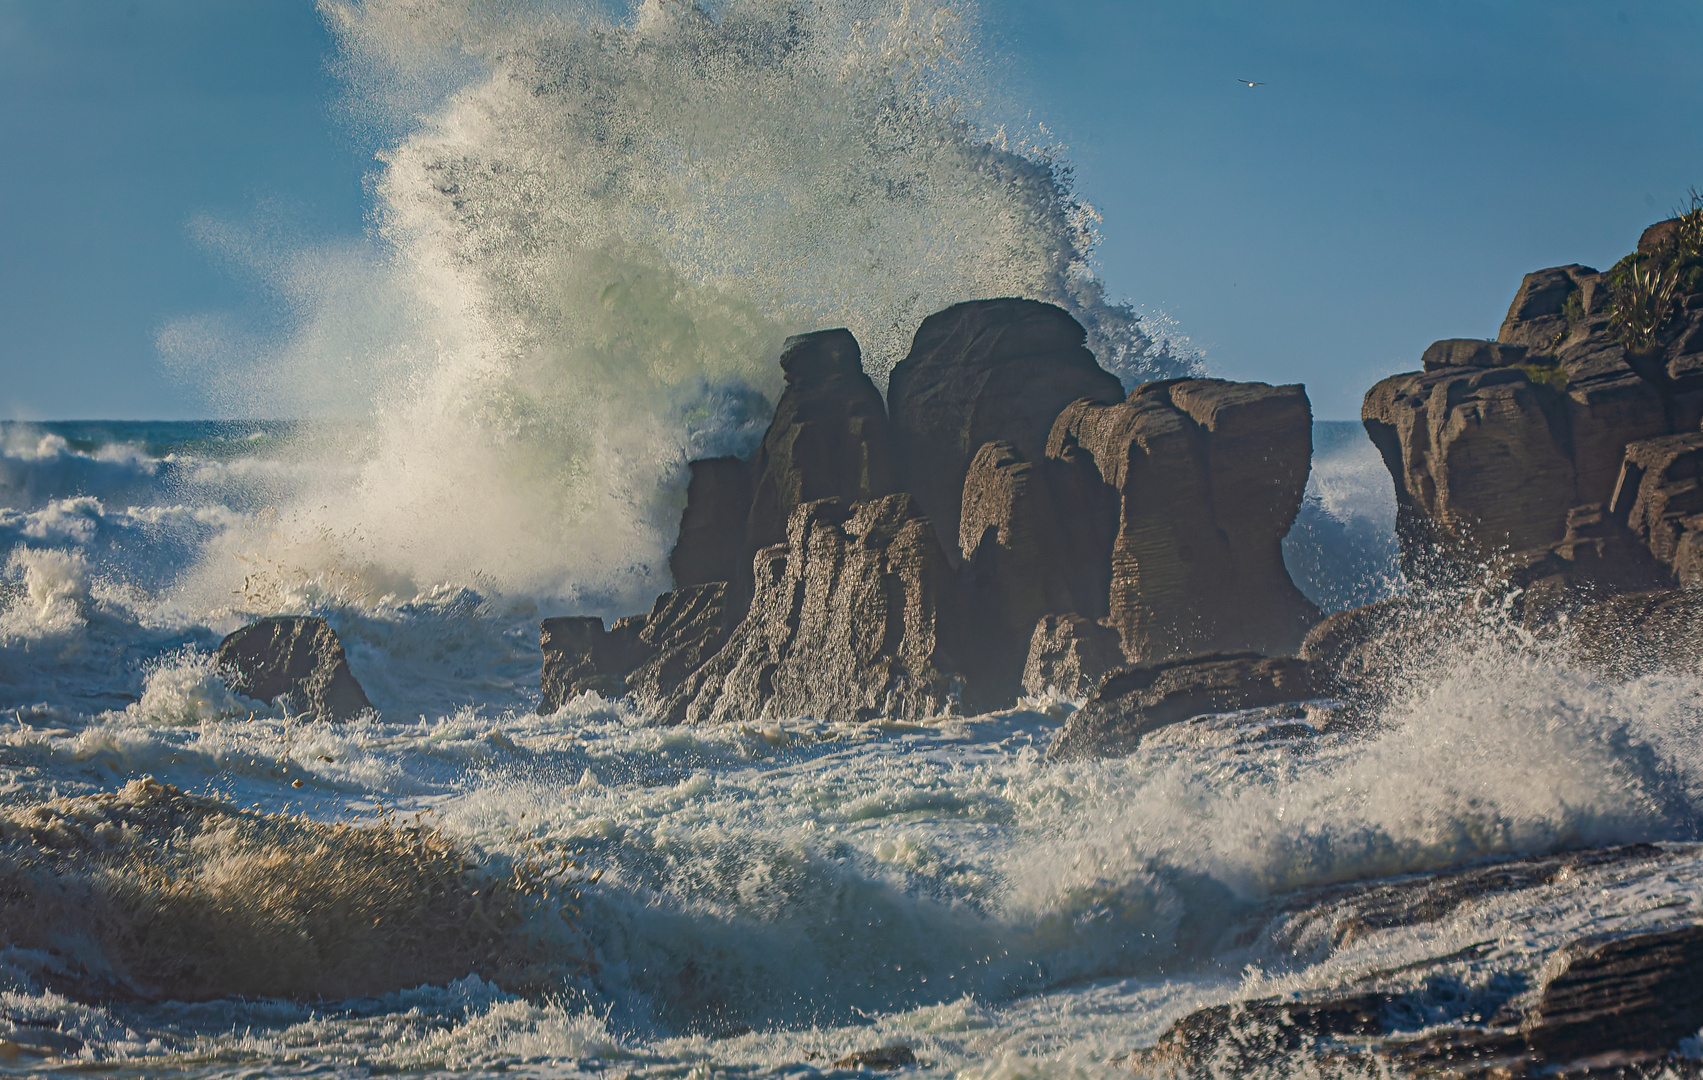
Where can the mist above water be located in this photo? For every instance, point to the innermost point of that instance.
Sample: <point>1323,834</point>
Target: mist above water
<point>592,233</point>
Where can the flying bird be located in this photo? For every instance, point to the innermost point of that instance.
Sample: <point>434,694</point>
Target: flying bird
<point>1249,84</point>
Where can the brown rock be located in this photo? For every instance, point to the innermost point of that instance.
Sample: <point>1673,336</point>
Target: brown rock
<point>711,546</point>
<point>829,438</point>
<point>1660,492</point>
<point>882,1058</point>
<point>1471,353</point>
<point>1363,650</point>
<point>647,655</point>
<point>1628,993</point>
<point>1069,655</point>
<point>1014,550</point>
<point>979,372</point>
<point>1641,633</point>
<point>1598,557</point>
<point>1537,319</point>
<point>854,617</point>
<point>298,657</point>
<point>1134,701</point>
<point>1208,477</point>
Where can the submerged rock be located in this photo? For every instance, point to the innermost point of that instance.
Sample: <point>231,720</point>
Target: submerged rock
<point>855,616</point>
<point>294,657</point>
<point>1130,703</point>
<point>882,1058</point>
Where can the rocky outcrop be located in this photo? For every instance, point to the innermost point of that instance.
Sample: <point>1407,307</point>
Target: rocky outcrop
<point>1132,702</point>
<point>1016,557</point>
<point>979,372</point>
<point>1207,477</point>
<point>1660,497</point>
<point>1642,633</point>
<point>829,438</point>
<point>646,655</point>
<point>1155,524</point>
<point>856,616</point>
<point>711,546</point>
<point>1614,1004</point>
<point>1493,443</point>
<point>1069,655</point>
<point>297,658</point>
<point>1598,557</point>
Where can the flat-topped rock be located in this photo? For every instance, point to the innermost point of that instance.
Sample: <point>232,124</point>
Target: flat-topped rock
<point>1133,702</point>
<point>1208,477</point>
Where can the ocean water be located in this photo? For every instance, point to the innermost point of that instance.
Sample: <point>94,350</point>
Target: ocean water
<point>591,231</point>
<point>756,899</point>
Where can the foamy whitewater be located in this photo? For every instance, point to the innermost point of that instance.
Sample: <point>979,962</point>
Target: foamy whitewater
<point>591,233</point>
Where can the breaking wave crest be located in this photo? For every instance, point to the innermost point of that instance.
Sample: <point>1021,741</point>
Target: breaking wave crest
<point>594,236</point>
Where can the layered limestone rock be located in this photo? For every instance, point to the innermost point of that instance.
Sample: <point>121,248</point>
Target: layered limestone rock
<point>855,616</point>
<point>1081,531</point>
<point>646,655</point>
<point>297,658</point>
<point>1208,477</point>
<point>1493,443</point>
<point>829,439</point>
<point>1660,496</point>
<point>979,372</point>
<point>1135,701</point>
<point>1017,561</point>
<point>1069,655</point>
<point>1598,557</point>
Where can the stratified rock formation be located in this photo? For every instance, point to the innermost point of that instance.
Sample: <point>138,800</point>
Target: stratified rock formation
<point>980,372</point>
<point>1208,477</point>
<point>647,655</point>
<point>1135,701</point>
<point>1016,521</point>
<point>1494,443</point>
<point>295,657</point>
<point>854,617</point>
<point>1643,633</point>
<point>1069,655</point>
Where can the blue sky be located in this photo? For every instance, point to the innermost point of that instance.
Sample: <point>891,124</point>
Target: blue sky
<point>1403,166</point>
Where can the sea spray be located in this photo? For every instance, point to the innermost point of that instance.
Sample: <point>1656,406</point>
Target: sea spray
<point>599,230</point>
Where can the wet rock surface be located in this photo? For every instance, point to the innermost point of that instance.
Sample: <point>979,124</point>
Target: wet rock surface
<point>1069,655</point>
<point>1013,485</point>
<point>1492,444</point>
<point>1134,702</point>
<point>1615,1004</point>
<point>294,657</point>
<point>1638,634</point>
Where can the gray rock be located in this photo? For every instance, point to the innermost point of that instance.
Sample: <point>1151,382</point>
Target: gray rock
<point>293,656</point>
<point>711,546</point>
<point>1131,702</point>
<point>646,655</point>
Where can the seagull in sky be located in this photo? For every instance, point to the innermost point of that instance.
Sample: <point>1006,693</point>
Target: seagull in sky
<point>1249,84</point>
